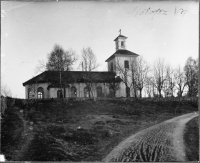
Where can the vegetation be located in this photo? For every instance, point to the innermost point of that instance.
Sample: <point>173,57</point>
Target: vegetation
<point>56,130</point>
<point>156,80</point>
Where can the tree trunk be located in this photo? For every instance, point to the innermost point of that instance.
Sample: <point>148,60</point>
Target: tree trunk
<point>140,93</point>
<point>159,91</point>
<point>127,91</point>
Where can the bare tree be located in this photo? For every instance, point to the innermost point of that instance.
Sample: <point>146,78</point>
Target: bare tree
<point>40,67</point>
<point>191,74</point>
<point>159,75</point>
<point>89,63</point>
<point>88,60</point>
<point>180,81</point>
<point>140,70</point>
<point>169,84</point>
<point>149,87</point>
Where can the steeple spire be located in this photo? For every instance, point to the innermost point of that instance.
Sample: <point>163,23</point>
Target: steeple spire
<point>120,32</point>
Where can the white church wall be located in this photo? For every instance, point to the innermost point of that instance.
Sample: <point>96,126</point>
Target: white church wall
<point>53,92</point>
<point>34,87</point>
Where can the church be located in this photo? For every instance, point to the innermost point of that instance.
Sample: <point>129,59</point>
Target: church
<point>85,84</point>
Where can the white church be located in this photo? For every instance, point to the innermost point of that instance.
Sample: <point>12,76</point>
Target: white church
<point>84,84</point>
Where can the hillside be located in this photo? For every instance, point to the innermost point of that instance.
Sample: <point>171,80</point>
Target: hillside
<point>53,130</point>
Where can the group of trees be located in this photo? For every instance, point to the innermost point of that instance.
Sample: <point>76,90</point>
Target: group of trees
<point>160,79</point>
<point>61,60</point>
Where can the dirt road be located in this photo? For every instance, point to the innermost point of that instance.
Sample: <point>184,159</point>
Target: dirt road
<point>163,142</point>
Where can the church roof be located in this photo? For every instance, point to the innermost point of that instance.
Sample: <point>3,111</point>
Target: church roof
<point>120,36</point>
<point>73,76</point>
<point>123,52</point>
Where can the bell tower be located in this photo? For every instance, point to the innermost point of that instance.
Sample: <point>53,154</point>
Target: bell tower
<point>122,57</point>
<point>120,42</point>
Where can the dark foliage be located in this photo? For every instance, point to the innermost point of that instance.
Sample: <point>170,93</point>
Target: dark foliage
<point>11,133</point>
<point>191,139</point>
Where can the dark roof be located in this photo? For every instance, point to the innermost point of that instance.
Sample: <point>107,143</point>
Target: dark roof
<point>120,36</point>
<point>123,52</point>
<point>72,77</point>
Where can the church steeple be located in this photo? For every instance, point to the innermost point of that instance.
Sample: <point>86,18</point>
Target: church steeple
<point>120,41</point>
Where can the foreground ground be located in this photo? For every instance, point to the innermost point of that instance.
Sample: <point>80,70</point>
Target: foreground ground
<point>79,130</point>
<point>164,142</point>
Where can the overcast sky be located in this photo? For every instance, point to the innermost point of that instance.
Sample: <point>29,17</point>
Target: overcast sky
<point>29,30</point>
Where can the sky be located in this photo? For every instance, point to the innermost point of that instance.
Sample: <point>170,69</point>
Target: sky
<point>29,31</point>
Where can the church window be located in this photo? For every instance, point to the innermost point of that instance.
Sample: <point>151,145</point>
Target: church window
<point>99,91</point>
<point>73,92</point>
<point>126,64</point>
<point>122,43</point>
<point>40,93</point>
<point>111,92</point>
<point>59,94</point>
<point>87,91</point>
<point>29,93</point>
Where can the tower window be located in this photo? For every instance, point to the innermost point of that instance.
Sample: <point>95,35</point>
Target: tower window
<point>126,64</point>
<point>122,43</point>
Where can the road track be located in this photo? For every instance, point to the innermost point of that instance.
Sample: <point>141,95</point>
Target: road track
<point>163,142</point>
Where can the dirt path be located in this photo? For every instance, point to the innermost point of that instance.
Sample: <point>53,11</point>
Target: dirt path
<point>162,142</point>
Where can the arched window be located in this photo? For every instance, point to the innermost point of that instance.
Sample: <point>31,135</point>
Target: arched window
<point>73,92</point>
<point>111,92</point>
<point>29,93</point>
<point>99,91</point>
<point>40,93</point>
<point>59,94</point>
<point>126,64</point>
<point>111,67</point>
<point>122,43</point>
<point>87,91</point>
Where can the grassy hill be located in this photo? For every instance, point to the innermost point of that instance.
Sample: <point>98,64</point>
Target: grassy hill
<point>54,130</point>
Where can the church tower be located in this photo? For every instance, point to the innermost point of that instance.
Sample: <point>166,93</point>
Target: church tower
<point>122,56</point>
<point>120,63</point>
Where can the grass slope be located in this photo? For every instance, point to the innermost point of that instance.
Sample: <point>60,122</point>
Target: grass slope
<point>80,130</point>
